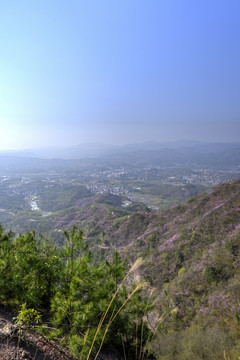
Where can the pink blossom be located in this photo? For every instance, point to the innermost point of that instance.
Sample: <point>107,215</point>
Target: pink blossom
<point>146,233</point>
<point>235,230</point>
<point>168,243</point>
<point>218,206</point>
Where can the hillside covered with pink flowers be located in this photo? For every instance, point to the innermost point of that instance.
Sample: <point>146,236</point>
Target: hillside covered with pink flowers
<point>192,258</point>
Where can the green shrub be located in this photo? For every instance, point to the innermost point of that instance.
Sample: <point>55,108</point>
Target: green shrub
<point>213,274</point>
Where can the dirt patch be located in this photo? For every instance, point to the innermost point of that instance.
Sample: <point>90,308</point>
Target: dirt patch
<point>29,346</point>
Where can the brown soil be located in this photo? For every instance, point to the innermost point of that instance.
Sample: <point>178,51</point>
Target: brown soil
<point>32,346</point>
<point>29,347</point>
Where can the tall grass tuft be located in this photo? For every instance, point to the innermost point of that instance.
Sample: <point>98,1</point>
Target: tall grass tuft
<point>141,340</point>
<point>135,266</point>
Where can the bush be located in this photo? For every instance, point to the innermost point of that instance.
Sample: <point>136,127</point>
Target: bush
<point>213,274</point>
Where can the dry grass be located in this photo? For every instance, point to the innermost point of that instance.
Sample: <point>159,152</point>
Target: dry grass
<point>134,267</point>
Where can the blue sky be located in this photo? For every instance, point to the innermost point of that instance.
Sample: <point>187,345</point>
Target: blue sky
<point>118,71</point>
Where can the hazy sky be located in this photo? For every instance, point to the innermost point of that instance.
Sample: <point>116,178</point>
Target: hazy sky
<point>118,71</point>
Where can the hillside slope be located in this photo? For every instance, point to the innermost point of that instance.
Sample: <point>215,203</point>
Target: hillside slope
<point>192,257</point>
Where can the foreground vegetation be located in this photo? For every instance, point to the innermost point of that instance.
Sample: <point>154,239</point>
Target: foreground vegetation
<point>85,305</point>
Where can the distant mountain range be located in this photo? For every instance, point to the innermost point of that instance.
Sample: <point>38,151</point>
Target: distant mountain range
<point>91,150</point>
